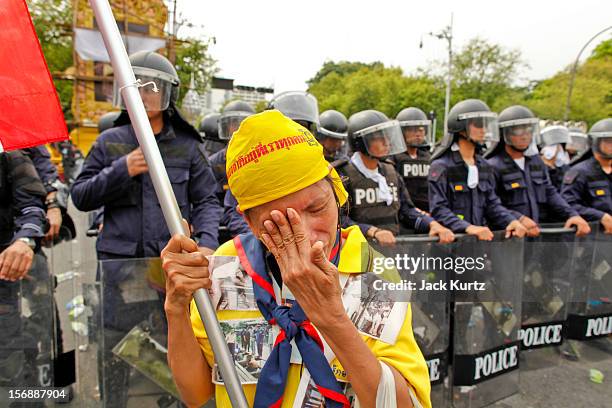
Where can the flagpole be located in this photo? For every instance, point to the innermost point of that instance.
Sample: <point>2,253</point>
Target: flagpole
<point>126,80</point>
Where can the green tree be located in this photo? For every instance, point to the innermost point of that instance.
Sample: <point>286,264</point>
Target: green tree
<point>341,68</point>
<point>603,50</point>
<point>193,57</point>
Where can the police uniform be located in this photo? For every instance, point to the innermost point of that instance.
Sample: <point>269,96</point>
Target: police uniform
<point>454,204</point>
<point>588,189</point>
<point>367,209</point>
<point>528,192</point>
<point>233,220</point>
<point>414,171</point>
<point>557,174</point>
<point>133,225</point>
<point>21,216</point>
<point>217,164</point>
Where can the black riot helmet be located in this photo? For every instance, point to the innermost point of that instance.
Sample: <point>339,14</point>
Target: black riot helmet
<point>157,79</point>
<point>231,116</point>
<point>209,127</point>
<point>601,132</point>
<point>107,121</point>
<point>473,120</point>
<point>372,133</point>
<point>579,142</point>
<point>299,106</point>
<point>332,124</point>
<point>518,127</point>
<point>416,127</point>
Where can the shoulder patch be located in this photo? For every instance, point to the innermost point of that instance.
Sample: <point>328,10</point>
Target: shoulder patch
<point>435,171</point>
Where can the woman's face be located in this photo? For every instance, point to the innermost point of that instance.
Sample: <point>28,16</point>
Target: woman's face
<point>316,206</point>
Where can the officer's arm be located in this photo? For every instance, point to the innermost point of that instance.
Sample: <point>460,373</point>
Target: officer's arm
<point>234,221</point>
<point>98,184</point>
<point>28,195</point>
<point>42,162</point>
<point>409,216</point>
<point>572,190</point>
<point>555,201</point>
<point>438,201</point>
<point>206,209</point>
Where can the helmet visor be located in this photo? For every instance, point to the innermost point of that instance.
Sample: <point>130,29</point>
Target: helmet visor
<point>298,106</point>
<point>481,127</point>
<point>383,140</point>
<point>520,133</point>
<point>417,133</point>
<point>602,143</point>
<point>229,123</point>
<point>155,88</point>
<point>554,135</point>
<point>579,142</point>
<point>334,135</point>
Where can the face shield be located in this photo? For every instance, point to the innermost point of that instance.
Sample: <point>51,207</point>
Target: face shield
<point>155,89</point>
<point>298,106</point>
<point>602,143</point>
<point>229,122</point>
<point>383,140</point>
<point>417,133</point>
<point>579,143</point>
<point>481,127</point>
<point>520,133</point>
<point>552,135</point>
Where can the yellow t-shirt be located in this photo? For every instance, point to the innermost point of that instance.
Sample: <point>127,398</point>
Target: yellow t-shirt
<point>405,355</point>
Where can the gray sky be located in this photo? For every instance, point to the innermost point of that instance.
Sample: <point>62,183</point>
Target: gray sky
<point>284,43</point>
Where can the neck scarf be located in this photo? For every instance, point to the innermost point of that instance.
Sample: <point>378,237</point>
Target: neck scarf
<point>294,325</point>
<point>384,192</point>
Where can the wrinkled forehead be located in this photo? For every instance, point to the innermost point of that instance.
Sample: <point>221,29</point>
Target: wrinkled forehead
<point>310,198</point>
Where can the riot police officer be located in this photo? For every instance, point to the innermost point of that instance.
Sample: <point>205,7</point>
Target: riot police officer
<point>552,142</point>
<point>461,182</point>
<point>115,175</point>
<point>587,186</point>
<point>521,178</point>
<point>209,130</point>
<point>579,143</point>
<point>107,121</point>
<point>379,202</point>
<point>22,225</point>
<point>232,115</point>
<point>332,134</point>
<point>299,106</point>
<point>413,164</point>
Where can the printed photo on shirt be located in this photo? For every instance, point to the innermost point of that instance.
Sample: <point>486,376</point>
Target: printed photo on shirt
<point>232,287</point>
<point>250,342</point>
<point>312,398</point>
<point>372,311</point>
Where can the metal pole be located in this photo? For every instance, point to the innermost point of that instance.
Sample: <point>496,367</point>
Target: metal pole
<point>449,37</point>
<point>138,116</point>
<point>573,73</point>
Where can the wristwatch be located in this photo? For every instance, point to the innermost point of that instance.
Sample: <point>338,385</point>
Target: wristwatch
<point>29,241</point>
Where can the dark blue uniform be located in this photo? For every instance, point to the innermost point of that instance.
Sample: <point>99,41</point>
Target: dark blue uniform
<point>557,174</point>
<point>133,220</point>
<point>233,220</point>
<point>455,205</point>
<point>217,164</point>
<point>529,192</point>
<point>588,189</point>
<point>42,162</point>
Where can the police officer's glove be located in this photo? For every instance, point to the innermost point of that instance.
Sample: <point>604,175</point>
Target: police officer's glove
<point>606,221</point>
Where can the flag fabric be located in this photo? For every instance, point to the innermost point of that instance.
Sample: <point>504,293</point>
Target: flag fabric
<point>30,111</point>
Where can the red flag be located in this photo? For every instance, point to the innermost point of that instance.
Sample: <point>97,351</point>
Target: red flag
<point>30,111</point>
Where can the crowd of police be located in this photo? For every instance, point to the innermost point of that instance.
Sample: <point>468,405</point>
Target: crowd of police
<point>489,172</point>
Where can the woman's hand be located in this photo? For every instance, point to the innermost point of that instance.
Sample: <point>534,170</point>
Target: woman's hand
<point>305,269</point>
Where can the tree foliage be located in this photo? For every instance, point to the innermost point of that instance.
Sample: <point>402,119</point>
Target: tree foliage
<point>192,57</point>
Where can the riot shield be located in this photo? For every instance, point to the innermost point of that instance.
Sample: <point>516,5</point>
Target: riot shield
<point>129,334</point>
<point>546,295</point>
<point>591,315</point>
<point>430,313</point>
<point>486,319</point>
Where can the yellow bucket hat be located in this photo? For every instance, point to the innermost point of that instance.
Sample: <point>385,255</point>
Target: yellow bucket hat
<point>271,156</point>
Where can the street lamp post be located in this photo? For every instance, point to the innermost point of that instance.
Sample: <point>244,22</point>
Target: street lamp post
<point>446,34</point>
<point>573,73</point>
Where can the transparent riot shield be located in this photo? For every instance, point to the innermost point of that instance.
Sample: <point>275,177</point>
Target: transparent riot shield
<point>591,315</point>
<point>486,287</point>
<point>127,332</point>
<point>430,313</point>
<point>549,263</point>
